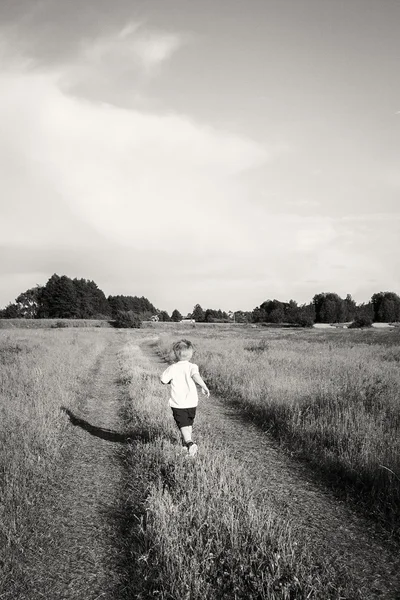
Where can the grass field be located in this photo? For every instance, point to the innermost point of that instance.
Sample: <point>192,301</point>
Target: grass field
<point>52,323</point>
<point>39,372</point>
<point>333,397</point>
<point>199,531</point>
<point>205,535</point>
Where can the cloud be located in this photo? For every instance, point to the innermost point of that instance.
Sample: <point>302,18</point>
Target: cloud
<point>160,204</point>
<point>134,43</point>
<point>155,189</point>
<point>117,66</point>
<point>156,205</point>
<point>154,48</point>
<point>114,65</point>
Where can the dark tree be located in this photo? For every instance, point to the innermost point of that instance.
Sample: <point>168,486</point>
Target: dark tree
<point>164,316</point>
<point>140,306</point>
<point>91,300</point>
<point>127,319</point>
<point>386,307</point>
<point>361,322</point>
<point>11,311</point>
<point>208,316</point>
<point>29,302</point>
<point>258,315</point>
<point>59,299</point>
<point>365,310</point>
<point>176,316</point>
<point>270,311</point>
<point>350,308</point>
<point>329,308</point>
<point>242,316</point>
<point>274,311</point>
<point>198,314</point>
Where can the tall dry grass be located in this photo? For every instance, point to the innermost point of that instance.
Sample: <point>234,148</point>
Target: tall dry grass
<point>333,398</point>
<point>205,532</point>
<point>52,323</point>
<point>39,372</point>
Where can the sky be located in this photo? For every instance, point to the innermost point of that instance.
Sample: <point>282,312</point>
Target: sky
<point>220,153</point>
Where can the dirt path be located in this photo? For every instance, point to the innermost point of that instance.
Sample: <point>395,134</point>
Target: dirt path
<point>83,555</point>
<point>87,553</point>
<point>333,529</point>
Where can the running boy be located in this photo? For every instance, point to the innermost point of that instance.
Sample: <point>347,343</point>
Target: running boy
<point>183,375</point>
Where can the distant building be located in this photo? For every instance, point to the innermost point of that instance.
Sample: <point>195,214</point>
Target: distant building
<point>188,321</point>
<point>155,318</point>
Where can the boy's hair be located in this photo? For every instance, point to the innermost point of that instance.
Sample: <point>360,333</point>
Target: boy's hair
<point>183,349</point>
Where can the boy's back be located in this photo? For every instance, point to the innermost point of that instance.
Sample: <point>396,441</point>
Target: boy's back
<point>183,388</point>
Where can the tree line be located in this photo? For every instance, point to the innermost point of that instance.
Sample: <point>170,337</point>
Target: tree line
<point>384,307</point>
<point>63,297</point>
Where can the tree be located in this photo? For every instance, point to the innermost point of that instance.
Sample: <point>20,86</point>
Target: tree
<point>164,316</point>
<point>242,316</point>
<point>386,307</point>
<point>212,315</point>
<point>127,319</point>
<point>329,308</point>
<point>277,315</point>
<point>28,302</point>
<point>11,311</point>
<point>208,316</point>
<point>350,308</point>
<point>365,310</point>
<point>141,306</point>
<point>258,315</point>
<point>91,300</point>
<point>270,311</point>
<point>59,299</point>
<point>361,322</point>
<point>198,314</point>
<point>176,316</point>
<point>328,311</point>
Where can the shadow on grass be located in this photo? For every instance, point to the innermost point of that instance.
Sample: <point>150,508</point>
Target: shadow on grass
<point>131,568</point>
<point>106,434</point>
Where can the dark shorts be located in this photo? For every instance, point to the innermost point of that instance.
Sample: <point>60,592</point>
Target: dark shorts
<point>184,416</point>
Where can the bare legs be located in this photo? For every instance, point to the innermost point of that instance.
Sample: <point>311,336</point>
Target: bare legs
<point>186,433</point>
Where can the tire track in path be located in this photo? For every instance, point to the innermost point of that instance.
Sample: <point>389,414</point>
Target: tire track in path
<point>83,558</point>
<point>344,540</point>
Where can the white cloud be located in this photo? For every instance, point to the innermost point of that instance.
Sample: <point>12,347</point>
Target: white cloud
<point>134,43</point>
<point>154,48</point>
<point>152,182</point>
<point>158,205</point>
<point>123,59</point>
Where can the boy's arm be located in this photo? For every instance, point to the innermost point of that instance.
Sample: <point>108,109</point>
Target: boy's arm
<point>199,380</point>
<point>166,376</point>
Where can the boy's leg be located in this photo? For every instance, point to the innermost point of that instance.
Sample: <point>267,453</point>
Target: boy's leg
<point>186,433</point>
<point>187,438</point>
<point>184,419</point>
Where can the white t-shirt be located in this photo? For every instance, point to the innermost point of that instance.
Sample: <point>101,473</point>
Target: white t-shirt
<point>183,388</point>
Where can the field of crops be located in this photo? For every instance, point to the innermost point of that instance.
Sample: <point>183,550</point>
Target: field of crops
<point>204,529</point>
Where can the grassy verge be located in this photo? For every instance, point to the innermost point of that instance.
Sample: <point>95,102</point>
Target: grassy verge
<point>39,372</point>
<point>334,399</point>
<point>53,323</point>
<point>205,533</point>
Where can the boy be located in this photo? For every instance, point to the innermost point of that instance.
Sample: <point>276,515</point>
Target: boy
<point>183,375</point>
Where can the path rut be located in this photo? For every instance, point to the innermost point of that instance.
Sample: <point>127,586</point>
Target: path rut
<point>331,527</point>
<point>82,555</point>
